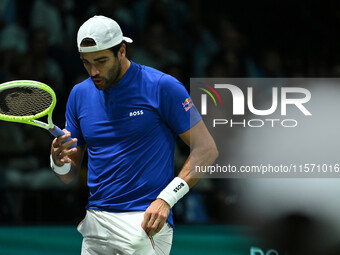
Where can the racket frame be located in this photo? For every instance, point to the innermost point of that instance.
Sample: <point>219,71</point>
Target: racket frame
<point>31,119</point>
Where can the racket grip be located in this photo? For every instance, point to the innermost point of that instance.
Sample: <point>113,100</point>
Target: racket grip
<point>56,131</point>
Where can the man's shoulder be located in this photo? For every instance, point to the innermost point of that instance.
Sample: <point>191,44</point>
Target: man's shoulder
<point>152,71</point>
<point>156,76</point>
<point>82,86</point>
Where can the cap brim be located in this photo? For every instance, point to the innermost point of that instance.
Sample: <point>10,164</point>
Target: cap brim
<point>127,39</point>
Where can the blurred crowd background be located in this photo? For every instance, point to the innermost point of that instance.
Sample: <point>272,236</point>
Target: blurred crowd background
<point>193,38</point>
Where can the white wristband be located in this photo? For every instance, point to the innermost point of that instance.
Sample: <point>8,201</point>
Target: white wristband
<point>175,190</point>
<point>61,170</point>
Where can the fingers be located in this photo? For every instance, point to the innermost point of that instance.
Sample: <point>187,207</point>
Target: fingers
<point>61,139</point>
<point>155,216</point>
<point>59,149</point>
<point>156,226</point>
<point>153,223</point>
<point>63,155</point>
<point>145,221</point>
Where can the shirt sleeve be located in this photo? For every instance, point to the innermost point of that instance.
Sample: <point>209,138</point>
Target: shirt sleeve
<point>72,120</point>
<point>175,105</point>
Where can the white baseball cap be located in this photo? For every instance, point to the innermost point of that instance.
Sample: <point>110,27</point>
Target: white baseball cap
<point>104,31</point>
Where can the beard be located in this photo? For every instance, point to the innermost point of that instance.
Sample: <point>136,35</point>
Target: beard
<point>113,78</point>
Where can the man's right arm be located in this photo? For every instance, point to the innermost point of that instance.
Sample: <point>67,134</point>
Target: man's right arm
<point>61,155</point>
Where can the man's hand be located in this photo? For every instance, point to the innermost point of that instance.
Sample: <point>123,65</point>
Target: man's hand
<point>60,151</point>
<point>155,216</point>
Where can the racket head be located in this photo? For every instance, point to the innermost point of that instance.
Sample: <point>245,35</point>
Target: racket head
<point>25,101</point>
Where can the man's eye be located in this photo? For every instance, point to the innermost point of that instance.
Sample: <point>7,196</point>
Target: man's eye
<point>102,61</point>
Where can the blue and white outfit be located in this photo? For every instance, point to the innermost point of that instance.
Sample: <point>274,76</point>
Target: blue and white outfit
<point>130,131</point>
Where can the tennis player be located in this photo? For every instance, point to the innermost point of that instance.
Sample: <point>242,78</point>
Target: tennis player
<point>127,117</point>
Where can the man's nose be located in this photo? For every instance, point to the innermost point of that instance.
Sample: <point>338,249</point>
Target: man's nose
<point>94,71</point>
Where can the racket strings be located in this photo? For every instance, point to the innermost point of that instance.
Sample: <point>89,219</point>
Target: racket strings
<point>24,101</point>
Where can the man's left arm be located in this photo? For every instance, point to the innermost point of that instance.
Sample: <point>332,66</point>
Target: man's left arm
<point>203,153</point>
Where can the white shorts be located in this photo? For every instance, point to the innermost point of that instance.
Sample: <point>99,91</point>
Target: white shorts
<point>121,234</point>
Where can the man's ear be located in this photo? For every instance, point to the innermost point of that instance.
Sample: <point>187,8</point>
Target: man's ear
<point>122,51</point>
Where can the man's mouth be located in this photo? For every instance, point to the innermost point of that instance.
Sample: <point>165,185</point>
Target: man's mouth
<point>97,81</point>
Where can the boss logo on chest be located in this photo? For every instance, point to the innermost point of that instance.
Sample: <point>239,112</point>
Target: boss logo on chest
<point>136,113</point>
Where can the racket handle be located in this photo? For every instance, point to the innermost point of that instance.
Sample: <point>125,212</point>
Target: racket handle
<point>56,131</point>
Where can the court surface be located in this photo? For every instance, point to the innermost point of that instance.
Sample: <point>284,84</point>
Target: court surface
<point>65,240</point>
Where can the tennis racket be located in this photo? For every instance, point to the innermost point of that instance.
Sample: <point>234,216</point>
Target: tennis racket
<point>26,101</point>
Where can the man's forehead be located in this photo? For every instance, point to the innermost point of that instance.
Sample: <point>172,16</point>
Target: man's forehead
<point>96,54</point>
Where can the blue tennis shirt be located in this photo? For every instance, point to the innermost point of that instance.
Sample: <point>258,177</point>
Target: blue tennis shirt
<point>130,132</point>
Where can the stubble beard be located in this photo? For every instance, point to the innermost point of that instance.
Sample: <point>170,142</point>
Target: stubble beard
<point>113,79</point>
